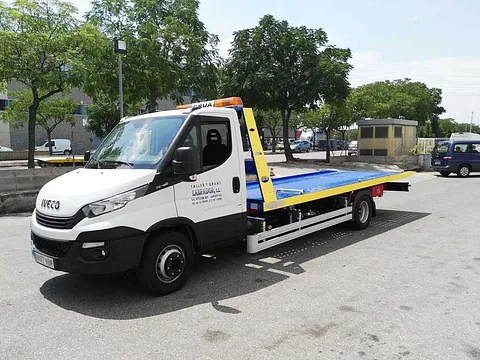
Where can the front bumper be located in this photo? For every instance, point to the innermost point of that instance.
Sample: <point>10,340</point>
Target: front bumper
<point>121,251</point>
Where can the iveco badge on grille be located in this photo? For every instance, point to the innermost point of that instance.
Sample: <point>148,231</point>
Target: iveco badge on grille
<point>50,204</point>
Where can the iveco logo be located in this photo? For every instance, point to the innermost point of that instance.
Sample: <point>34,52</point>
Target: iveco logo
<point>50,204</point>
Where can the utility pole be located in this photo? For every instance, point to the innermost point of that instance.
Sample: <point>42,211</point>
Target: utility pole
<point>120,47</point>
<point>471,122</point>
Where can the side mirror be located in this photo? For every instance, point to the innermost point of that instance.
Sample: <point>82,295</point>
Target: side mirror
<point>86,156</point>
<point>186,162</point>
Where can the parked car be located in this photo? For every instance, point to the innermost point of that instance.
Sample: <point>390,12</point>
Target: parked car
<point>300,146</point>
<point>460,156</point>
<point>352,147</point>
<point>59,147</point>
<point>4,149</point>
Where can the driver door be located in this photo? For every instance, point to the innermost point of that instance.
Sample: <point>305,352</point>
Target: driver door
<point>214,200</point>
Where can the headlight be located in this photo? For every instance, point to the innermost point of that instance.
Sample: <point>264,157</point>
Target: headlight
<point>113,203</point>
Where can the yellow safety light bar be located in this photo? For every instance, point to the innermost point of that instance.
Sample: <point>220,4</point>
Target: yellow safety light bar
<point>227,102</point>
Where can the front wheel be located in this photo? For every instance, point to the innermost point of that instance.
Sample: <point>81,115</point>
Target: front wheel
<point>66,152</point>
<point>167,263</point>
<point>362,212</point>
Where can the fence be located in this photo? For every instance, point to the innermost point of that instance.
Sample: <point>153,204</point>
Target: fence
<point>426,145</point>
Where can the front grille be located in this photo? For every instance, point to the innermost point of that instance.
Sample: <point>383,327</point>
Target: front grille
<point>57,222</point>
<point>50,247</point>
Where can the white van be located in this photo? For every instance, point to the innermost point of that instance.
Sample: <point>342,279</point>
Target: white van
<point>59,147</point>
<point>464,136</point>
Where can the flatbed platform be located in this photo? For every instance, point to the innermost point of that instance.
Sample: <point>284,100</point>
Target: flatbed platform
<point>61,160</point>
<point>297,189</point>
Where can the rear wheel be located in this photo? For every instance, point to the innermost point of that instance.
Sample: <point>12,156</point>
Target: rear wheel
<point>444,173</point>
<point>362,212</point>
<point>167,263</point>
<point>463,170</point>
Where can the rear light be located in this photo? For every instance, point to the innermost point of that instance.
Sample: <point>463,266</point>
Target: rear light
<point>446,158</point>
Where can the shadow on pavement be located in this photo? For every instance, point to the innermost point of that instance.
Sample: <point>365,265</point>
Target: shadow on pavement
<point>227,274</point>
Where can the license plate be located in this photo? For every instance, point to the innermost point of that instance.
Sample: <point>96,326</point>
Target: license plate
<point>44,260</point>
<point>438,162</point>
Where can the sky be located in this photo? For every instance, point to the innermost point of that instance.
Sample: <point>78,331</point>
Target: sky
<point>433,41</point>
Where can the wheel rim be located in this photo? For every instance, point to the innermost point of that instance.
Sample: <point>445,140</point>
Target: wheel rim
<point>363,212</point>
<point>464,171</point>
<point>170,264</point>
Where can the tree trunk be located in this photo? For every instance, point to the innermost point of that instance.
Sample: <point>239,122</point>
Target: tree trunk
<point>152,102</point>
<point>32,121</point>
<point>285,120</point>
<point>49,139</point>
<point>274,138</point>
<point>327,131</point>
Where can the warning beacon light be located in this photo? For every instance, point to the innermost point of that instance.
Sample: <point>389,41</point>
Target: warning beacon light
<point>231,102</point>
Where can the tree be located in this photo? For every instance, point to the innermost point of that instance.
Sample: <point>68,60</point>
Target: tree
<point>328,117</point>
<point>446,127</point>
<point>170,54</point>
<point>50,113</point>
<point>398,99</point>
<point>41,41</point>
<point>280,67</point>
<point>272,121</point>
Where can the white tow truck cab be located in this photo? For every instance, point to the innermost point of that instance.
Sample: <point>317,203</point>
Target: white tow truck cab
<point>166,186</point>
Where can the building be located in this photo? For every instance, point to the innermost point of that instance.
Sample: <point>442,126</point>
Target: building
<point>82,140</point>
<point>386,137</point>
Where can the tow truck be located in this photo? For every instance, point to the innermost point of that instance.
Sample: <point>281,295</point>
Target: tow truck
<point>168,186</point>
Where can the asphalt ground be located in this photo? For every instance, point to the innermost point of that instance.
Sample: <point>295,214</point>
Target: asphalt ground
<point>405,288</point>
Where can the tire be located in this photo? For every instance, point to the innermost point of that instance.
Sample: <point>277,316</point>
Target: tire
<point>362,212</point>
<point>463,170</point>
<point>163,252</point>
<point>67,152</point>
<point>445,173</point>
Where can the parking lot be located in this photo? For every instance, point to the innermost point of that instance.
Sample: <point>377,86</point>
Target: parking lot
<point>406,288</point>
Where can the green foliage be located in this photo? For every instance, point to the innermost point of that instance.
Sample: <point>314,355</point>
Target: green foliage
<point>281,67</point>
<point>270,120</point>
<point>397,99</point>
<point>104,114</point>
<point>465,127</point>
<point>446,127</point>
<point>328,117</point>
<point>41,43</point>
<point>169,52</point>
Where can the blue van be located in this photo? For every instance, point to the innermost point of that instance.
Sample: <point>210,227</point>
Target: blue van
<point>460,156</point>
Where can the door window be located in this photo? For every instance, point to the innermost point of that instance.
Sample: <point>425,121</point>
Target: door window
<point>191,140</point>
<point>476,148</point>
<point>460,149</point>
<point>216,141</point>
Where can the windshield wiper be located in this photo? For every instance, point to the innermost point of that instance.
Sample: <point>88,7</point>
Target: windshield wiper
<point>130,165</point>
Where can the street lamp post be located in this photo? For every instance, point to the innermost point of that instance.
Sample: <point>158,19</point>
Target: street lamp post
<point>120,49</point>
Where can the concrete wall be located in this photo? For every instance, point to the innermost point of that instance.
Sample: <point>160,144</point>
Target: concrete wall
<point>19,188</point>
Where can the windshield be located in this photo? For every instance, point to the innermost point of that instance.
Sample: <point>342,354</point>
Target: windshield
<point>137,144</point>
<point>441,148</point>
<point>297,142</point>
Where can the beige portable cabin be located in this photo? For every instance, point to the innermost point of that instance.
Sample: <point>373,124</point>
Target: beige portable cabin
<point>386,137</point>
